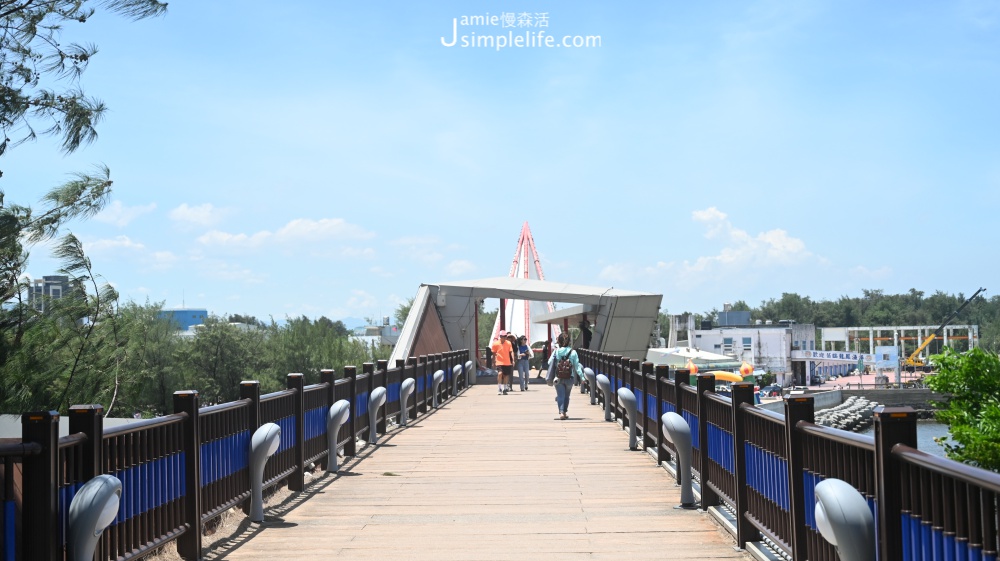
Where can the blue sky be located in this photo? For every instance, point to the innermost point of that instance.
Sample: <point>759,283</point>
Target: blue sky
<point>326,158</point>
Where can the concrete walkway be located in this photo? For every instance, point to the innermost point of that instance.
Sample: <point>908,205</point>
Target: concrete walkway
<point>491,477</point>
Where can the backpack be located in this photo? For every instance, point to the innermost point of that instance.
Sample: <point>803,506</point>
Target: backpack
<point>564,368</point>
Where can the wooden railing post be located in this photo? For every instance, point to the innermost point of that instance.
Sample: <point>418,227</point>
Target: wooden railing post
<point>250,389</point>
<point>745,531</point>
<point>383,367</point>
<point>662,371</point>
<point>351,447</point>
<point>617,381</point>
<point>411,372</point>
<point>328,376</point>
<point>797,409</point>
<point>681,376</point>
<point>89,419</point>
<point>189,543</point>
<point>706,385</point>
<point>297,480</point>
<point>368,369</point>
<point>648,438</point>
<point>40,507</point>
<point>893,425</point>
<point>422,381</point>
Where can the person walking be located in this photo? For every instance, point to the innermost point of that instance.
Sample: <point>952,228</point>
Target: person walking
<point>563,371</point>
<point>502,355</point>
<point>513,360</point>
<point>524,356</point>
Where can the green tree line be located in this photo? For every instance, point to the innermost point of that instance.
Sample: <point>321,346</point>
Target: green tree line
<point>91,349</point>
<point>875,307</point>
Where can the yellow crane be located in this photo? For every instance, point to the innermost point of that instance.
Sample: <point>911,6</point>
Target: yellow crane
<point>914,359</point>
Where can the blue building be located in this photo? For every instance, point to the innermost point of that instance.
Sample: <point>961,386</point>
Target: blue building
<point>184,318</point>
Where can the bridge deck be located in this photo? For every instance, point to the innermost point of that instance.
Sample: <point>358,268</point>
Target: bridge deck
<point>491,477</point>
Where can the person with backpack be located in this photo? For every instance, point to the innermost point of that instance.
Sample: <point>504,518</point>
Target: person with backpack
<point>524,356</point>
<point>564,370</point>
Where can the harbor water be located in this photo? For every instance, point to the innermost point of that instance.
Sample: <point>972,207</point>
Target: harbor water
<point>926,433</point>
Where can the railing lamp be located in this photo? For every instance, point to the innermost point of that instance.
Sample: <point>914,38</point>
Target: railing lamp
<point>263,445</point>
<point>591,383</point>
<point>335,418</point>
<point>844,520</point>
<point>375,400</point>
<point>604,383</point>
<point>627,399</point>
<point>405,389</point>
<point>93,509</point>
<point>677,431</point>
<point>437,379</point>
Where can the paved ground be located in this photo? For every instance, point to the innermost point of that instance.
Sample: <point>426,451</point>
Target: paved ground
<point>491,477</point>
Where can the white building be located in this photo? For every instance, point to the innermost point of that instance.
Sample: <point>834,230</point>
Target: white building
<point>766,346</point>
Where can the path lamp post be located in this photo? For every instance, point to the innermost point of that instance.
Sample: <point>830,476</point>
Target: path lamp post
<point>336,417</point>
<point>375,400</point>
<point>93,509</point>
<point>591,383</point>
<point>844,520</point>
<point>627,399</point>
<point>263,445</point>
<point>677,431</point>
<point>604,383</point>
<point>438,378</point>
<point>405,389</point>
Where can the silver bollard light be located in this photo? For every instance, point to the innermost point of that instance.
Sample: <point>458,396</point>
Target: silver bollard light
<point>375,400</point>
<point>627,399</point>
<point>437,379</point>
<point>405,390</point>
<point>263,445</point>
<point>470,373</point>
<point>456,372</point>
<point>844,520</point>
<point>93,509</point>
<point>592,384</point>
<point>677,431</point>
<point>335,418</point>
<point>604,383</point>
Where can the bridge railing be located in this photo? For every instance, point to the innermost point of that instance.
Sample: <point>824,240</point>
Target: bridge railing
<point>180,472</point>
<point>760,469</point>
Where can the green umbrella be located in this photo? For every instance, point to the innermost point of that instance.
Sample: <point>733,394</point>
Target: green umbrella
<point>861,364</point>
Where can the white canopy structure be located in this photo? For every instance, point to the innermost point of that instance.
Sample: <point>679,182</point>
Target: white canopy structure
<point>444,316</point>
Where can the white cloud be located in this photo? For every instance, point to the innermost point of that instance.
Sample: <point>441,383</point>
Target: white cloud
<point>120,215</point>
<point>617,272</point>
<point>361,300</point>
<point>118,242</point>
<point>883,272</point>
<point>422,249</point>
<point>304,230</point>
<point>298,231</point>
<point>460,267</point>
<point>162,260</point>
<point>201,215</point>
<point>230,272</point>
<point>765,249</point>
<point>365,252</point>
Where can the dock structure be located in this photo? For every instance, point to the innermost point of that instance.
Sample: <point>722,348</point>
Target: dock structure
<point>491,477</point>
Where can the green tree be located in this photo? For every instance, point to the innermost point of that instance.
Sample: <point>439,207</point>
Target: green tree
<point>971,382</point>
<point>402,311</point>
<point>72,349</point>
<point>486,321</point>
